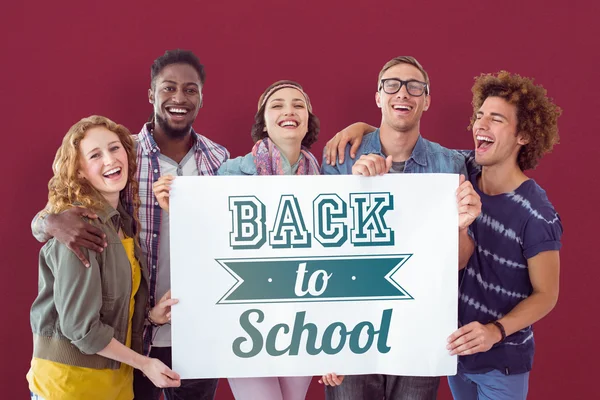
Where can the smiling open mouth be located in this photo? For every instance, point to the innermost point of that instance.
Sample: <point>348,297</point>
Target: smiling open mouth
<point>284,124</point>
<point>400,107</point>
<point>177,111</point>
<point>113,173</point>
<point>484,142</point>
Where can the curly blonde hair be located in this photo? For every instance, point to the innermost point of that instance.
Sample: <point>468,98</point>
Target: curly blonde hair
<point>66,187</point>
<point>537,115</point>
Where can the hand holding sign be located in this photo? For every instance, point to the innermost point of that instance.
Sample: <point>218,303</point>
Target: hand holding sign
<point>372,165</point>
<point>331,380</point>
<point>469,203</point>
<point>160,314</point>
<point>162,191</point>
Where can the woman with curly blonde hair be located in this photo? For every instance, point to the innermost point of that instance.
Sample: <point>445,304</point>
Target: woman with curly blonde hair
<point>87,323</point>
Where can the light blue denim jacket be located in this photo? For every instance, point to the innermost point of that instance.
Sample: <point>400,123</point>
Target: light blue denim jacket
<point>246,166</point>
<point>426,157</point>
<point>238,166</point>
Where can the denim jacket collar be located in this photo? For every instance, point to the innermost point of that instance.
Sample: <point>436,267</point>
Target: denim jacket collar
<point>419,153</point>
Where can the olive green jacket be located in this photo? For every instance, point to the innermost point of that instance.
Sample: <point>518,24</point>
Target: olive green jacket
<point>79,310</point>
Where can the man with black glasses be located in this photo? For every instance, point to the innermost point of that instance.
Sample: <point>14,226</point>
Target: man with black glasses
<point>398,147</point>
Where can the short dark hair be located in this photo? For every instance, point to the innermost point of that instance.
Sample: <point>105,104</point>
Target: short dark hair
<point>258,129</point>
<point>177,56</point>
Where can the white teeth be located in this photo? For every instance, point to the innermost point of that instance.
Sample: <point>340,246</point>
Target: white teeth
<point>112,171</point>
<point>288,123</point>
<point>484,138</point>
<point>178,110</point>
<point>399,107</point>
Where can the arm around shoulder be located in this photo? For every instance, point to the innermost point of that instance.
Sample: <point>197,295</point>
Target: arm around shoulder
<point>71,227</point>
<point>352,135</point>
<point>38,226</point>
<point>338,168</point>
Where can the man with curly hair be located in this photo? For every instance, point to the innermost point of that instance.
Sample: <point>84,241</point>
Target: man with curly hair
<point>511,281</point>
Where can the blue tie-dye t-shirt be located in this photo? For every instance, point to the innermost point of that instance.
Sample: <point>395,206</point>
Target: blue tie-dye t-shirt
<point>512,228</point>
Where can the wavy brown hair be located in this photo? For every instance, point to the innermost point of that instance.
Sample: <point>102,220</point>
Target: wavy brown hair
<point>258,129</point>
<point>537,114</point>
<point>66,188</point>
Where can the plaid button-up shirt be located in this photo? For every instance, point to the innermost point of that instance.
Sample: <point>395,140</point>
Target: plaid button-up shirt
<point>209,157</point>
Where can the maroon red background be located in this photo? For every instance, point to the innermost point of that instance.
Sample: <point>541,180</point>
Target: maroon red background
<point>65,60</point>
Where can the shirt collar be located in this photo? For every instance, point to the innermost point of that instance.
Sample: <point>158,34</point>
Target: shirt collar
<point>149,144</point>
<point>146,140</point>
<point>419,153</point>
<point>108,213</point>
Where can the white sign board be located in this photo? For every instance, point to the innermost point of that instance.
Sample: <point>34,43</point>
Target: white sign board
<point>306,275</point>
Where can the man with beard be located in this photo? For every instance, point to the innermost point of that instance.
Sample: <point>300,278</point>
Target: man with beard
<point>167,145</point>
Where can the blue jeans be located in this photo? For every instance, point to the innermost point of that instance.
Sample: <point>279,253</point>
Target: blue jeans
<point>35,396</point>
<point>493,385</point>
<point>389,387</point>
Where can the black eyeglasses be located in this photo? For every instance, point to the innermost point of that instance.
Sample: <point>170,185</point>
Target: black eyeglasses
<point>413,87</point>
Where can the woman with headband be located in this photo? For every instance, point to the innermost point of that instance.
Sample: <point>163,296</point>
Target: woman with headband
<point>283,131</point>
